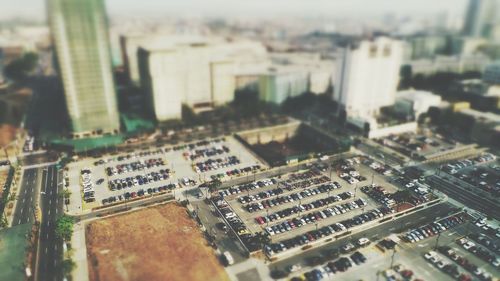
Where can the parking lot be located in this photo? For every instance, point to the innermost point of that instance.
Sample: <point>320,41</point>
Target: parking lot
<point>296,208</point>
<point>132,174</point>
<point>415,145</point>
<point>481,172</point>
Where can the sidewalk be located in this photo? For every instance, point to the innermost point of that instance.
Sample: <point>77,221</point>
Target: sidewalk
<point>79,255</point>
<point>246,270</point>
<point>17,185</point>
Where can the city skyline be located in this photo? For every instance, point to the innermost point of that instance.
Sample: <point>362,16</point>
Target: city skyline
<point>259,8</point>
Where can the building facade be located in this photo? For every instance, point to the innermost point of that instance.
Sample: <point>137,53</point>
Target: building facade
<point>80,35</point>
<point>482,19</point>
<point>367,76</point>
<point>199,73</point>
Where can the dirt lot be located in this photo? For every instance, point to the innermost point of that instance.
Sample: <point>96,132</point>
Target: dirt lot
<point>160,243</point>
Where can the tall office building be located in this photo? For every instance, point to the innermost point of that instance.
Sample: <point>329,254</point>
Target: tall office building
<point>368,76</point>
<point>482,19</point>
<point>80,35</point>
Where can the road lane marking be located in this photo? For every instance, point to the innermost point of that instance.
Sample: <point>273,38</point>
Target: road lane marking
<point>49,212</point>
<point>46,248</point>
<point>19,221</point>
<point>22,211</point>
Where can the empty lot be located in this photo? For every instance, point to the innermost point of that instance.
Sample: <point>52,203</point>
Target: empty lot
<point>160,243</point>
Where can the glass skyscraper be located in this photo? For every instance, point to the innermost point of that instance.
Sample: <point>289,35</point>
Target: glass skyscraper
<point>80,35</point>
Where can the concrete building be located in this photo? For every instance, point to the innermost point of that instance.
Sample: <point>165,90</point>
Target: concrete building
<point>198,72</point>
<point>491,74</point>
<point>458,64</point>
<point>282,82</point>
<point>414,103</point>
<point>80,34</point>
<point>481,127</point>
<point>482,19</point>
<point>367,76</point>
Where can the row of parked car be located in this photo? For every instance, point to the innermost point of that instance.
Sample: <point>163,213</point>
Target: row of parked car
<point>139,165</point>
<point>303,207</point>
<point>247,187</point>
<point>199,144</point>
<point>279,200</point>
<point>479,251</point>
<point>297,196</point>
<point>379,194</point>
<point>231,217</point>
<point>462,261</point>
<point>380,168</point>
<point>205,152</point>
<point>87,185</point>
<point>336,228</point>
<point>306,183</point>
<point>215,164</point>
<point>313,217</point>
<point>236,172</point>
<point>118,184</point>
<point>433,228</point>
<point>295,177</point>
<point>133,155</point>
<point>139,193</point>
<point>485,241</point>
<point>340,265</point>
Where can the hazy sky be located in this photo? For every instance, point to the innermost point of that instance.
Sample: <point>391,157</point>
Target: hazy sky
<point>350,8</point>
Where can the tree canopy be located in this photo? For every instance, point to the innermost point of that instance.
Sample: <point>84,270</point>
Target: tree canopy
<point>20,68</point>
<point>64,227</point>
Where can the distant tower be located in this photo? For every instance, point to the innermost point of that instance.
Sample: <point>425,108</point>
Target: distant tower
<point>481,18</point>
<point>80,34</point>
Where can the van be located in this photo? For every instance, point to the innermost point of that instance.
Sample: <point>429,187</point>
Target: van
<point>228,259</point>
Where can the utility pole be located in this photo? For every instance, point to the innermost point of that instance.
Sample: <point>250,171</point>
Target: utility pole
<point>392,257</point>
<point>437,240</point>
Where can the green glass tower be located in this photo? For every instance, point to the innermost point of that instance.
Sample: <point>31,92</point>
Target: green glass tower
<point>80,35</point>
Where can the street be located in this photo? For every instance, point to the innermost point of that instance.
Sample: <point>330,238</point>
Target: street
<point>26,201</point>
<point>50,248</point>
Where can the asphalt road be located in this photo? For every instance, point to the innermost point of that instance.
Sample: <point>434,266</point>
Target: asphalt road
<point>50,247</point>
<point>25,207</point>
<point>374,233</point>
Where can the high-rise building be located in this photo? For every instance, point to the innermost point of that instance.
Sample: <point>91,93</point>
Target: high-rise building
<point>80,35</point>
<point>367,76</point>
<point>482,19</point>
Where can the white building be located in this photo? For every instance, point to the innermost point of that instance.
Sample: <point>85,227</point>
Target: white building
<point>458,64</point>
<point>198,72</point>
<point>367,76</point>
<point>414,103</point>
<point>282,82</point>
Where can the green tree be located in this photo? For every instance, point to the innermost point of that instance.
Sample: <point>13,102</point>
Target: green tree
<point>67,266</point>
<point>64,227</point>
<point>214,185</point>
<point>65,193</point>
<point>3,221</point>
<point>19,69</point>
